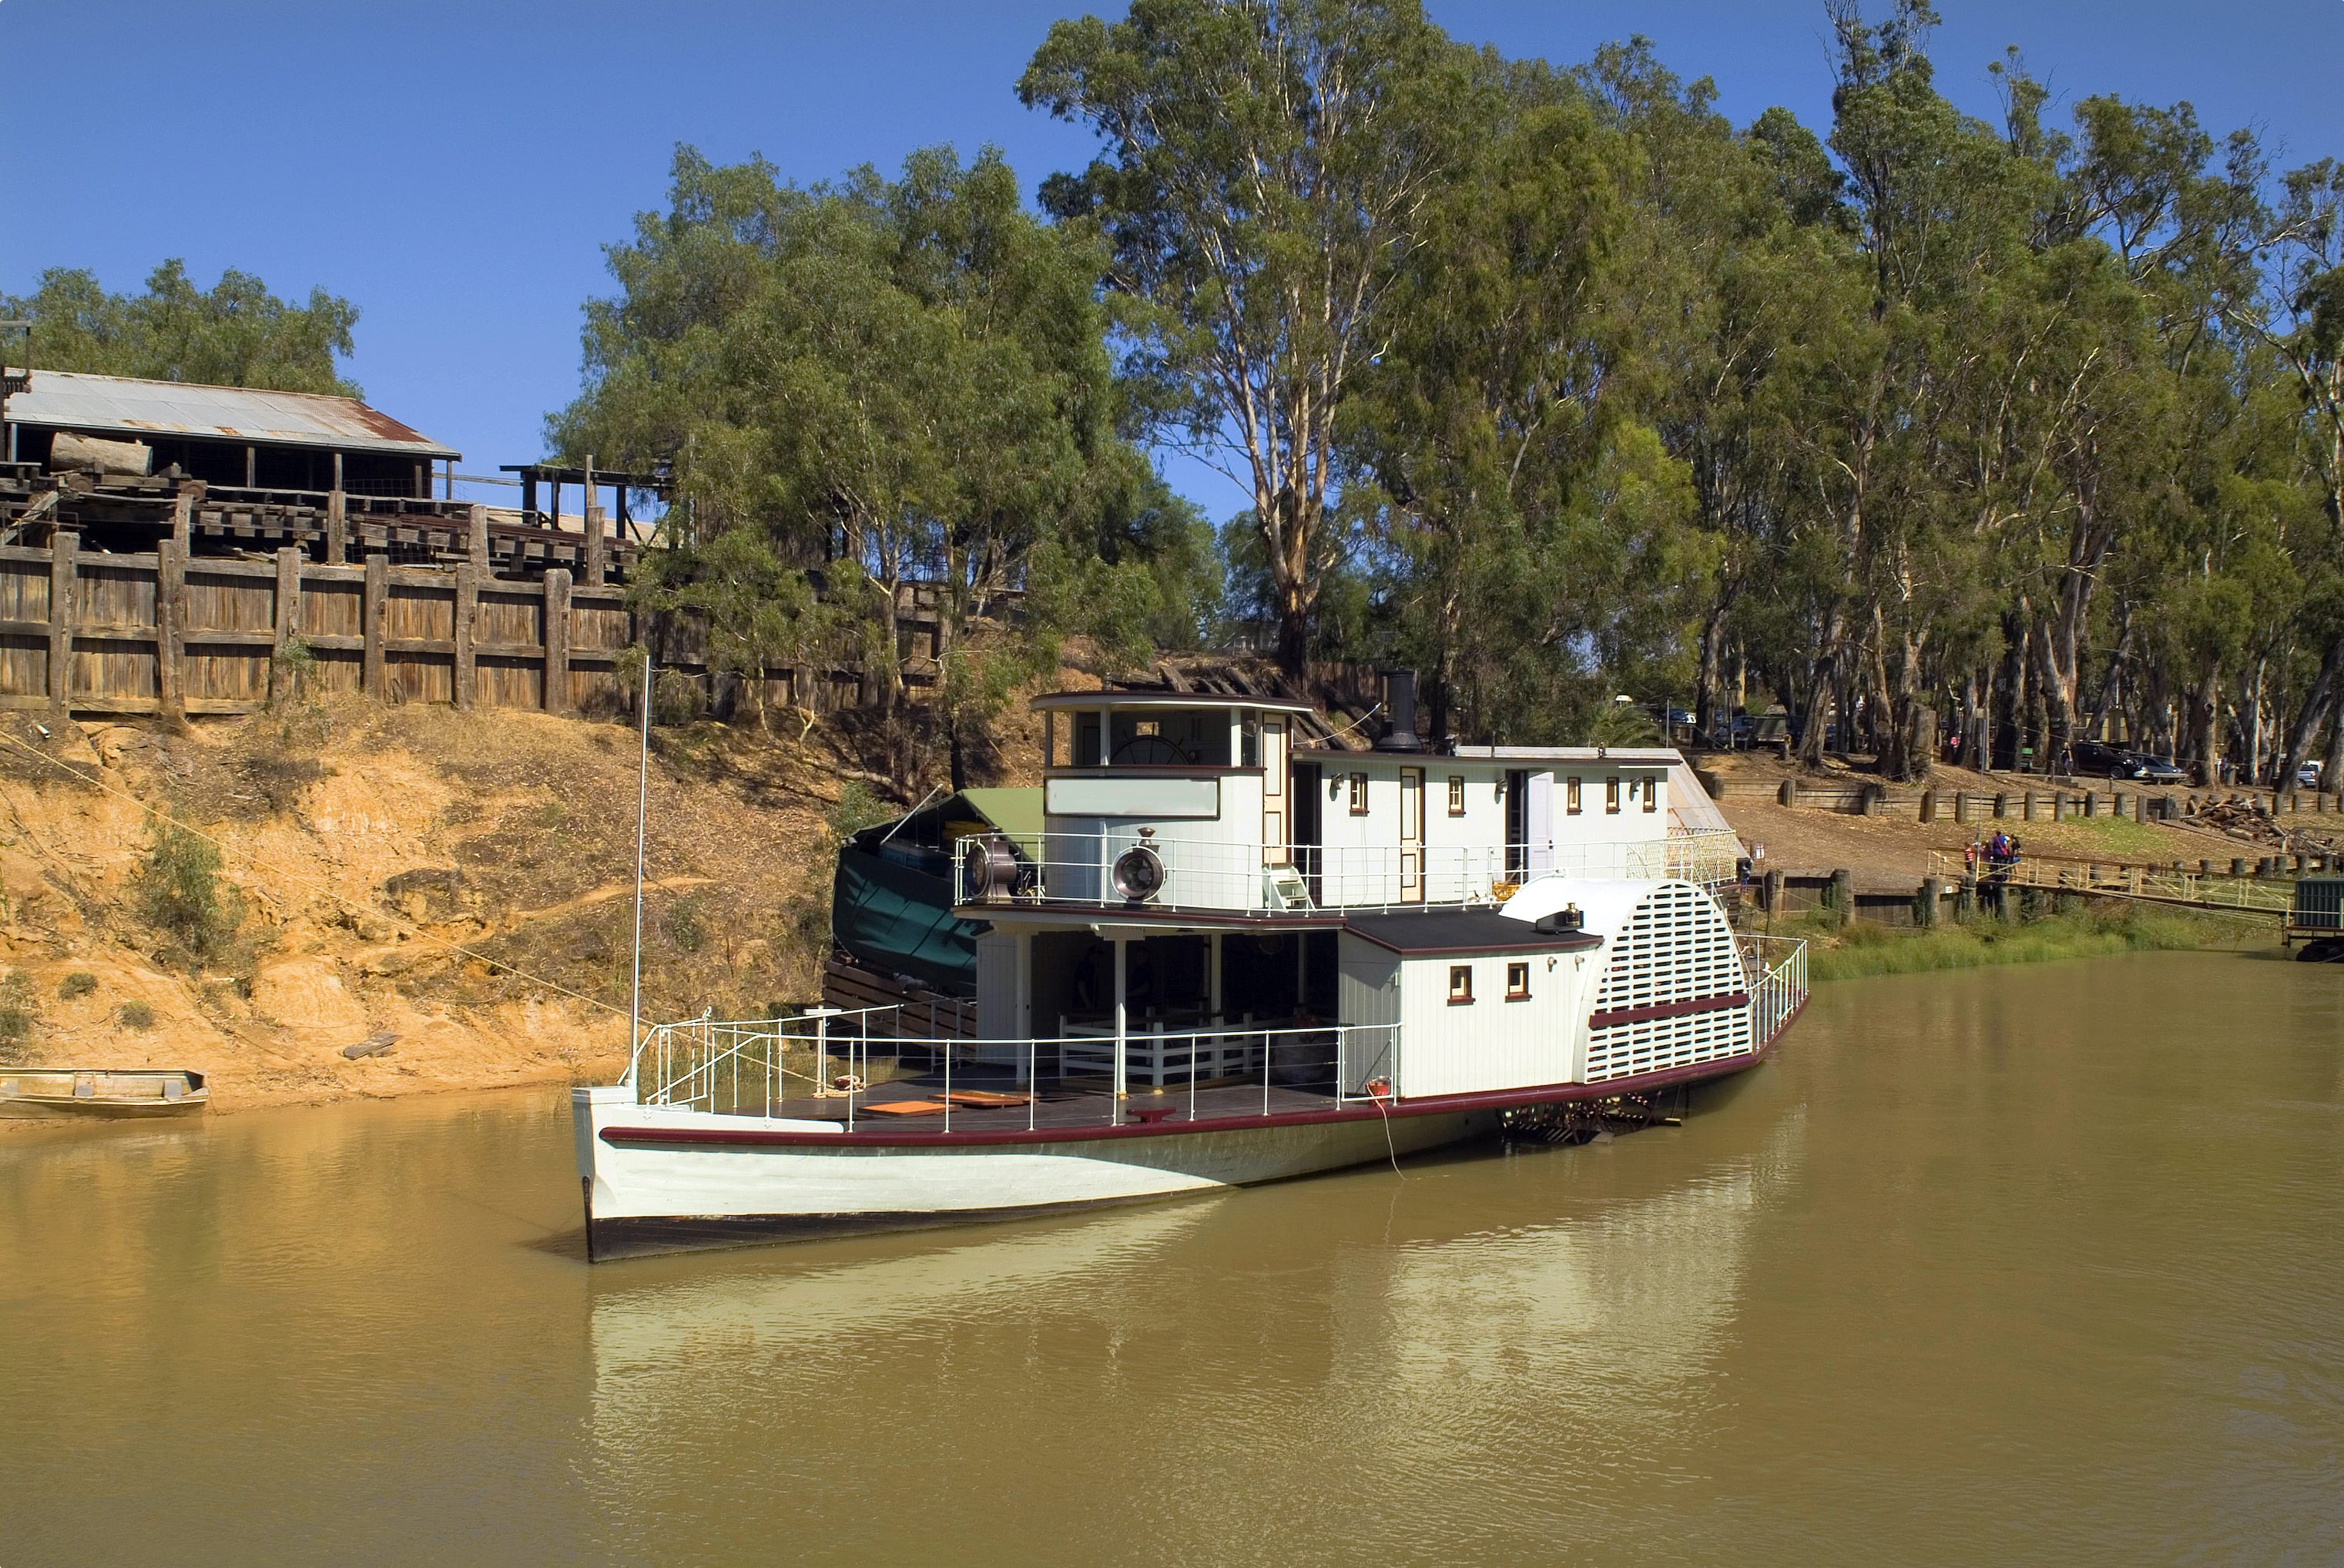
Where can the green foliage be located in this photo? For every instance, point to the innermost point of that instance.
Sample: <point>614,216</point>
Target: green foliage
<point>1552,383</point>
<point>858,807</point>
<point>870,385</point>
<point>79,983</point>
<point>179,891</point>
<point>1260,168</point>
<point>236,335</point>
<point>135,1014</point>
<point>293,671</point>
<point>20,1011</point>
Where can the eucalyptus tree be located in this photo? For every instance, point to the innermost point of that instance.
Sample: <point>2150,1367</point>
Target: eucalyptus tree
<point>899,390</point>
<point>234,334</point>
<point>1735,245</point>
<point>2299,316</point>
<point>1265,165</point>
<point>1465,441</point>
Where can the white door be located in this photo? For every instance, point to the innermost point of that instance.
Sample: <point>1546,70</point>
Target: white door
<point>1411,834</point>
<point>1275,814</point>
<point>1537,824</point>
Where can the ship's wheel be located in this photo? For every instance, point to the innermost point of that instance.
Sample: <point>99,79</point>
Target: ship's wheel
<point>1153,751</point>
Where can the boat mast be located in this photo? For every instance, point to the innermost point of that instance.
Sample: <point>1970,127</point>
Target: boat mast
<point>643,801</point>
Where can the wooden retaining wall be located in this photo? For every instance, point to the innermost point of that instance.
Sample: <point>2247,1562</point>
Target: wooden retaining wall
<point>166,633</point>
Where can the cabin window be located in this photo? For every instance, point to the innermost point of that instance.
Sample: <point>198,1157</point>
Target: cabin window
<point>1611,795</point>
<point>1359,794</point>
<point>1147,727</point>
<point>1460,984</point>
<point>1570,797</point>
<point>1249,744</point>
<point>1456,795</point>
<point>1518,982</point>
<point>1652,794</point>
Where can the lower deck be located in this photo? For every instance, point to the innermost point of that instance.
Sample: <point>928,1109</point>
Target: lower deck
<point>976,1099</point>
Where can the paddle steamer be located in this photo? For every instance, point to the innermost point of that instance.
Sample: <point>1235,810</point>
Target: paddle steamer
<point>1213,948</point>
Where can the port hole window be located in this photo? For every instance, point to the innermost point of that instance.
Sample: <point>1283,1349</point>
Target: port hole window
<point>1612,796</point>
<point>1359,794</point>
<point>1456,795</point>
<point>1518,982</point>
<point>1460,984</point>
<point>1570,797</point>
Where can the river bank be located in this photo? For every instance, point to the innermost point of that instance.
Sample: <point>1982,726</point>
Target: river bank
<point>1860,949</point>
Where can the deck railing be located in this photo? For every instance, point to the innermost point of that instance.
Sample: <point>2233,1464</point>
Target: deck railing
<point>2167,884</point>
<point>773,1067</point>
<point>752,1066</point>
<point>1777,968</point>
<point>1221,874</point>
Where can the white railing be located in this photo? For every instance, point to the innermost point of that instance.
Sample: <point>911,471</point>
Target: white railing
<point>758,1066</point>
<point>1220,874</point>
<point>1777,967</point>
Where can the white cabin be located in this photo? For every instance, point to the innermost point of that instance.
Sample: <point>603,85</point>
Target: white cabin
<point>1201,877</point>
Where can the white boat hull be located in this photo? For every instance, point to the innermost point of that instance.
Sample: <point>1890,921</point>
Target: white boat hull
<point>644,1194</point>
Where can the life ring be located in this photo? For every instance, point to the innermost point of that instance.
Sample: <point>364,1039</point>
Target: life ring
<point>1379,1088</point>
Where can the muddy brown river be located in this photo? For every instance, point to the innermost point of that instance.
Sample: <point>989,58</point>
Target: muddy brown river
<point>2040,1264</point>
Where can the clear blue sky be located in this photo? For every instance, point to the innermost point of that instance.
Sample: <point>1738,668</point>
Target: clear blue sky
<point>455,169</point>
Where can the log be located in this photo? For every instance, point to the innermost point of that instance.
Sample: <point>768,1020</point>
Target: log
<point>372,1045</point>
<point>69,453</point>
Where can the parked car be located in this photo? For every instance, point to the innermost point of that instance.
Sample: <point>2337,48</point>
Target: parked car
<point>2095,757</point>
<point>2307,775</point>
<point>2152,769</point>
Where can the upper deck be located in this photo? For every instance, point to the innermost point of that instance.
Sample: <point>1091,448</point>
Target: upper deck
<point>1231,805</point>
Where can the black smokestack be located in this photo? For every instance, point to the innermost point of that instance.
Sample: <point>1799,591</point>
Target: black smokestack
<point>1399,703</point>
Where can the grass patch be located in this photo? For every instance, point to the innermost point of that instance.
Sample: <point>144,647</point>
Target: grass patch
<point>179,891</point>
<point>19,1011</point>
<point>1863,949</point>
<point>2118,838</point>
<point>79,983</point>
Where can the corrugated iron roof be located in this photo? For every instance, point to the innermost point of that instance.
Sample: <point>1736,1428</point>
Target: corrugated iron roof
<point>68,400</point>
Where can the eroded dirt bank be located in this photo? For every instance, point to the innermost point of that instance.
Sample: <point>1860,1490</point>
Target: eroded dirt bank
<point>452,888</point>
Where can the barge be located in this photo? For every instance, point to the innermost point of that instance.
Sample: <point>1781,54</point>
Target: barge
<point>1216,950</point>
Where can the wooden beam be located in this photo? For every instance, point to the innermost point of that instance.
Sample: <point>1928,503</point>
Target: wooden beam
<point>65,579</point>
<point>183,509</point>
<point>251,467</point>
<point>170,636</point>
<point>468,599</point>
<point>378,601</point>
<point>337,528</point>
<point>596,569</point>
<point>288,616</point>
<point>556,641</point>
<point>476,547</point>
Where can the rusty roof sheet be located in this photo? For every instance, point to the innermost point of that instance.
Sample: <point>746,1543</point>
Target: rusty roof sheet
<point>68,400</point>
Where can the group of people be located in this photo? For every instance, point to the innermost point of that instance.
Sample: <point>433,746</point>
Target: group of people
<point>1993,859</point>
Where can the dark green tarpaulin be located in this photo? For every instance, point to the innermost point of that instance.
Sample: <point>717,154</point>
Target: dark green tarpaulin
<point>899,920</point>
<point>891,905</point>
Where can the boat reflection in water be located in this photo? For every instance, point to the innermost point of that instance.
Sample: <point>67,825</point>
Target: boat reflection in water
<point>1408,1315</point>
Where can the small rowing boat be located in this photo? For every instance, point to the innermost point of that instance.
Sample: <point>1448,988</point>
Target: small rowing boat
<point>133,1094</point>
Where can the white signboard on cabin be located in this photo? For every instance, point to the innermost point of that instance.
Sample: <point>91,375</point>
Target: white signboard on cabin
<point>1171,798</point>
